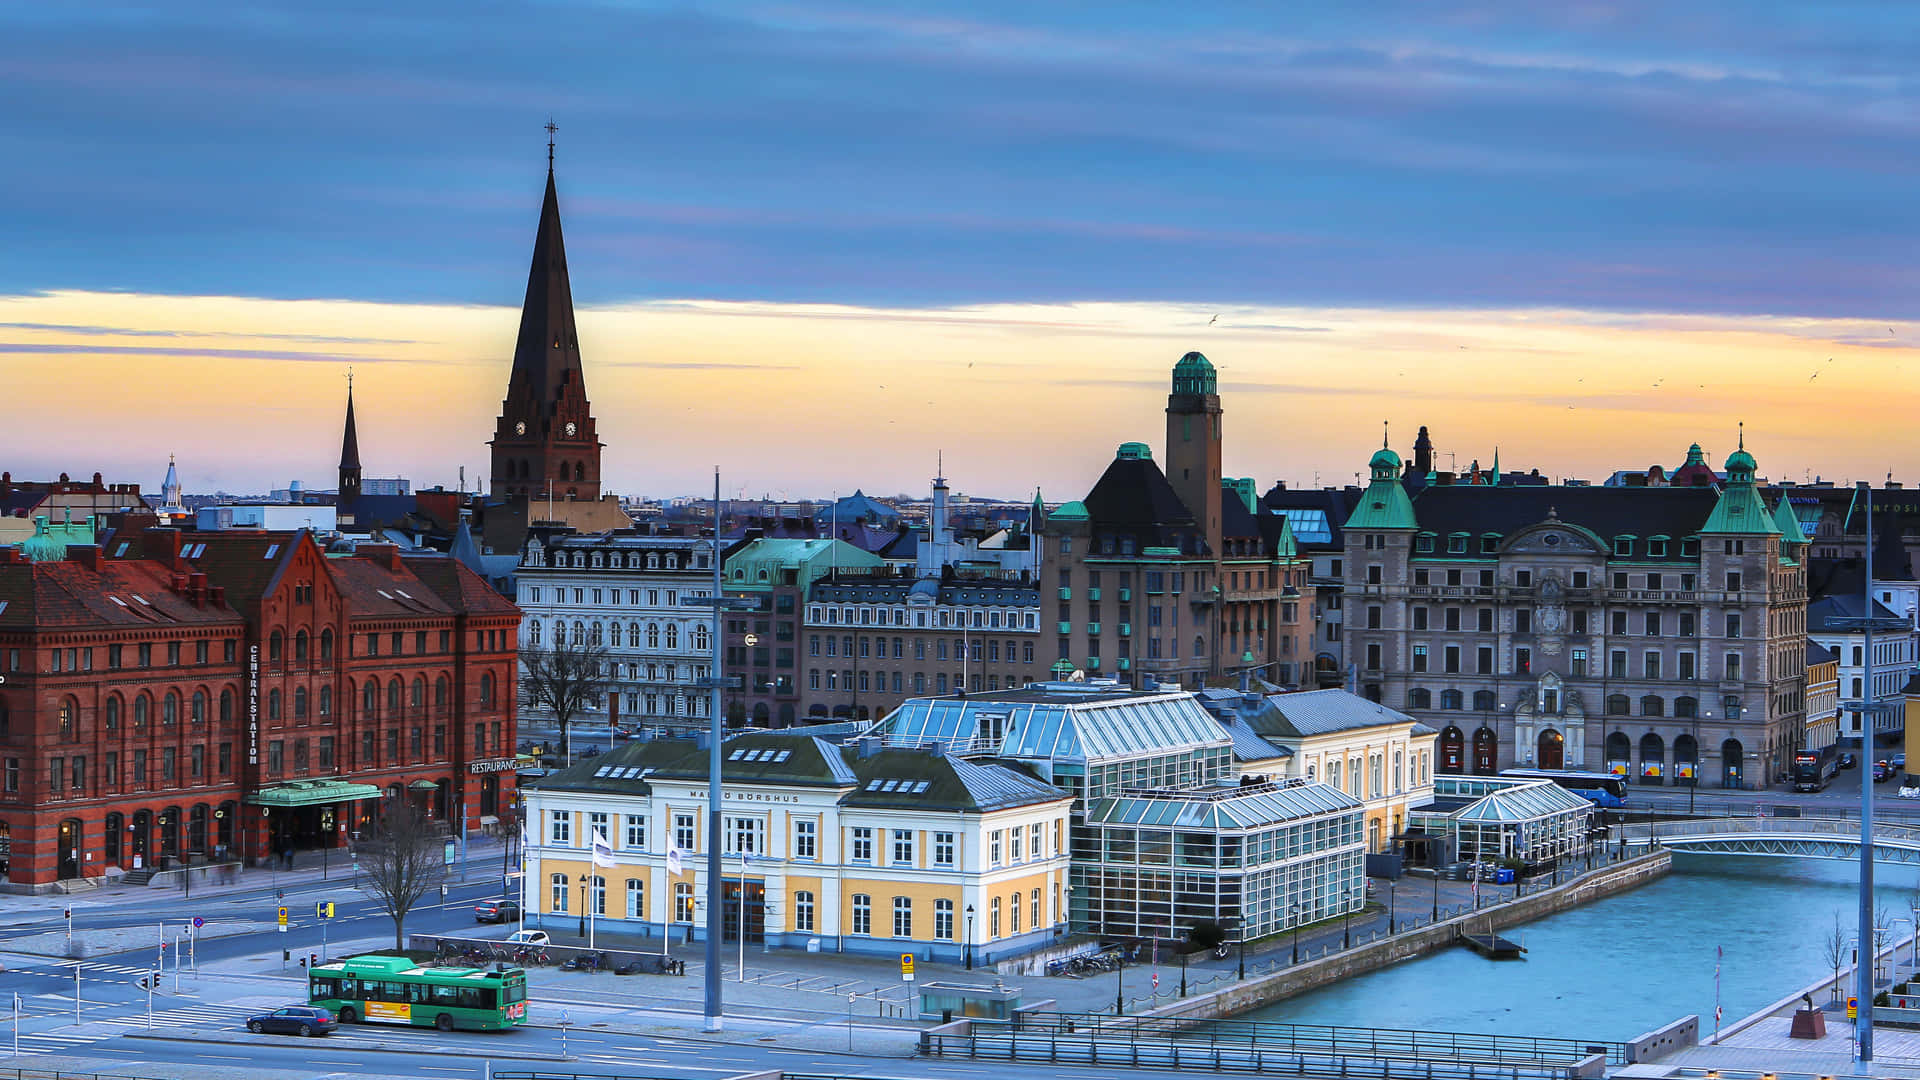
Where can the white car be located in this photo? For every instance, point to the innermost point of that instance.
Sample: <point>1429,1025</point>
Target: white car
<point>529,937</point>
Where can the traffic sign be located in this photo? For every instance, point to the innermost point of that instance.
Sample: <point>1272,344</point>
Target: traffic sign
<point>283,916</point>
<point>906,967</point>
<point>198,922</point>
<point>1853,1008</point>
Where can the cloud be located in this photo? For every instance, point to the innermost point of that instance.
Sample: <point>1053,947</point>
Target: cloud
<point>31,348</point>
<point>123,331</point>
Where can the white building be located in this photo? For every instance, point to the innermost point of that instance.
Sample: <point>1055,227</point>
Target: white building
<point>1893,659</point>
<point>266,517</point>
<point>623,591</point>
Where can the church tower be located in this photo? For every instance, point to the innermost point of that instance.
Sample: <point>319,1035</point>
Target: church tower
<point>349,458</point>
<point>545,439</point>
<point>1193,443</point>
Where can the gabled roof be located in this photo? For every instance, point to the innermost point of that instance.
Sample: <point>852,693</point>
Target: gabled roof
<point>919,780</point>
<point>1606,512</point>
<point>456,584</point>
<point>246,563</point>
<point>1524,802</point>
<point>68,595</point>
<point>1841,606</point>
<point>1820,654</point>
<point>1321,712</point>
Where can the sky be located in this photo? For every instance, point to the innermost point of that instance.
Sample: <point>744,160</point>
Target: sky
<point>817,244</point>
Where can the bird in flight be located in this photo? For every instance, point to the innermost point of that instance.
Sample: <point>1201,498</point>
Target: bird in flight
<point>1213,320</point>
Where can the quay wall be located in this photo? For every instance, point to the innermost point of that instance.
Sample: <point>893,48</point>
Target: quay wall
<point>1263,990</point>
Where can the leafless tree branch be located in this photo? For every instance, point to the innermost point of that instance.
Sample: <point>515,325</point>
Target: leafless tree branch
<point>405,859</point>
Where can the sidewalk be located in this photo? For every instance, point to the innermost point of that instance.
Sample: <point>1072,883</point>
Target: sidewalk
<point>312,869</point>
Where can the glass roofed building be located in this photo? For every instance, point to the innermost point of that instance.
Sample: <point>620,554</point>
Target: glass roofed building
<point>1089,738</point>
<point>1162,835</point>
<point>1151,864</point>
<point>1497,819</point>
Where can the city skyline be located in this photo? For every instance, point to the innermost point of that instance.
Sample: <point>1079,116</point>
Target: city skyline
<point>1584,238</point>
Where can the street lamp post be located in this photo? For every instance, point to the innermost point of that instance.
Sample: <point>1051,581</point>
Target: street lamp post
<point>1119,984</point>
<point>1436,894</point>
<point>1296,939</point>
<point>969,937</point>
<point>1390,894</point>
<point>584,879</point>
<point>1346,921</point>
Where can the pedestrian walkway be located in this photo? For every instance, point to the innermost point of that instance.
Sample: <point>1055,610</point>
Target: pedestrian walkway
<point>66,1039</point>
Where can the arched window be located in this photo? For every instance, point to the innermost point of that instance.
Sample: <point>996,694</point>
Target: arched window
<point>300,647</point>
<point>69,720</point>
<point>533,632</point>
<point>579,470</point>
<point>1199,649</point>
<point>199,714</point>
<point>1619,705</point>
<point>370,700</point>
<point>653,635</point>
<point>1686,707</point>
<point>326,644</point>
<point>1453,744</point>
<point>442,692</point>
<point>1653,705</point>
<point>1653,758</point>
<point>1619,753</point>
<point>273,704</point>
<point>633,635</point>
<point>595,633</point>
<point>419,697</point>
<point>1452,699</point>
<point>1483,701</point>
<point>486,688</point>
<point>579,633</point>
<point>113,713</point>
<point>170,708</point>
<point>702,641</point>
<point>326,701</point>
<point>394,692</point>
<point>673,636</point>
<point>1419,698</point>
<point>142,709</point>
<point>226,708</point>
<point>276,644</point>
<point>299,703</point>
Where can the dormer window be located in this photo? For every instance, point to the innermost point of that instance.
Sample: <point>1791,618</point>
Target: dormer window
<point>1457,544</point>
<point>1489,543</point>
<point>1656,547</point>
<point>1423,544</point>
<point>1623,547</point>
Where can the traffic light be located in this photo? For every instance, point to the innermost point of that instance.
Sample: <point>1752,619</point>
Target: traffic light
<point>313,959</point>
<point>303,962</point>
<point>68,914</point>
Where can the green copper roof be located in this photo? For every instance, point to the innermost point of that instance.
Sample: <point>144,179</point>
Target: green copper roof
<point>1788,522</point>
<point>1072,511</point>
<point>1385,504</point>
<point>1285,547</point>
<point>1194,374</point>
<point>1133,451</point>
<point>1740,509</point>
<point>50,538</point>
<point>1242,488</point>
<point>783,561</point>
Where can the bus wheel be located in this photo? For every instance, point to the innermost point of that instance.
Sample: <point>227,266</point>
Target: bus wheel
<point>348,1016</point>
<point>443,1022</point>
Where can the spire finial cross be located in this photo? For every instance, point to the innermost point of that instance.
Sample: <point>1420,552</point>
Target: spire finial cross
<point>1743,434</point>
<point>1384,438</point>
<point>551,128</point>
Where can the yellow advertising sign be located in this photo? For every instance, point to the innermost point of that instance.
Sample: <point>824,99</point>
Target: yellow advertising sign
<point>389,1012</point>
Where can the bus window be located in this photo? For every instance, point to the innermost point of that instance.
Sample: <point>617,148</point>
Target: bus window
<point>324,987</point>
<point>516,991</point>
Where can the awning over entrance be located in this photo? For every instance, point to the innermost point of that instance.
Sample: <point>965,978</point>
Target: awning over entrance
<point>312,793</point>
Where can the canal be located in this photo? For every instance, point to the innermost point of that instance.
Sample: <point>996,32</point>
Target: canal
<point>1630,963</point>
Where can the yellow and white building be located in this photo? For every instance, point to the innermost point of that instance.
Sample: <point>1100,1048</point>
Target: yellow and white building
<point>862,847</point>
<point>1378,755</point>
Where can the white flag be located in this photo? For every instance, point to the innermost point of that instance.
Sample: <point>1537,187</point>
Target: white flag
<point>602,851</point>
<point>673,859</point>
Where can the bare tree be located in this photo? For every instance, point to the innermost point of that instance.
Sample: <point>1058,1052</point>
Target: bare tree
<point>405,859</point>
<point>568,678</point>
<point>1882,934</point>
<point>1835,950</point>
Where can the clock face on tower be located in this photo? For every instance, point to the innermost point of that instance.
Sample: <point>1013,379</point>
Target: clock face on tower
<point>520,427</point>
<point>572,428</point>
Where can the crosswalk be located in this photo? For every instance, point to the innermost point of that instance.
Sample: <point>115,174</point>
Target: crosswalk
<point>54,1042</point>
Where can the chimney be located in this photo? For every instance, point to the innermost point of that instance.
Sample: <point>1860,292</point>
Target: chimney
<point>197,587</point>
<point>217,595</point>
<point>87,555</point>
<point>162,545</point>
<point>866,746</point>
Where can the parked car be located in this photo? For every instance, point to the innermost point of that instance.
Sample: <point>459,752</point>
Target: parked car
<point>529,937</point>
<point>1848,761</point>
<point>497,911</point>
<point>293,1020</point>
<point>1883,771</point>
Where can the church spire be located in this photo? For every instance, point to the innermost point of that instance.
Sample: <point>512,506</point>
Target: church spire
<point>545,437</point>
<point>349,454</point>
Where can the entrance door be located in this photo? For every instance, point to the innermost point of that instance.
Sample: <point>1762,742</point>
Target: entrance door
<point>113,830</point>
<point>142,835</point>
<point>1551,752</point>
<point>1732,764</point>
<point>1453,750</point>
<point>1486,748</point>
<point>69,849</point>
<point>756,911</point>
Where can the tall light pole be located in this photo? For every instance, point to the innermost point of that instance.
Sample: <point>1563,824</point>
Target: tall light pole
<point>1296,938</point>
<point>1346,921</point>
<point>969,937</point>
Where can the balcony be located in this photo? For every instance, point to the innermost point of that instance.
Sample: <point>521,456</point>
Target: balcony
<point>1093,595</point>
<point>1093,663</point>
<point>1066,592</point>
<point>1126,595</point>
<point>1123,664</point>
<point>1126,629</point>
<point>1093,629</point>
<point>1066,628</point>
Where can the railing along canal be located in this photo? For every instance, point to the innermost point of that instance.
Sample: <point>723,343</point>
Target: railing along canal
<point>1358,1042</point>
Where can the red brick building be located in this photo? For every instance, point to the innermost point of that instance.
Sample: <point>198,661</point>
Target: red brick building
<point>235,693</point>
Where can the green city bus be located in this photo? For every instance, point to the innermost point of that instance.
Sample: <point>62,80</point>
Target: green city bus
<point>396,990</point>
